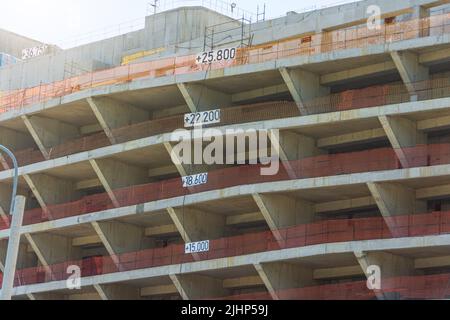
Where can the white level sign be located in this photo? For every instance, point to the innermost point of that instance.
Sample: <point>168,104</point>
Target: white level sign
<point>201,118</point>
<point>195,180</point>
<point>219,55</point>
<point>34,52</point>
<point>197,247</point>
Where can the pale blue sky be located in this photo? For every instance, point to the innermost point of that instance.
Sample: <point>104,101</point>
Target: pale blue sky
<point>63,21</point>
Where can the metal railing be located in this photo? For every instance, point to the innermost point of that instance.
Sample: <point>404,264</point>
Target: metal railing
<point>319,43</point>
<point>371,160</point>
<point>229,9</point>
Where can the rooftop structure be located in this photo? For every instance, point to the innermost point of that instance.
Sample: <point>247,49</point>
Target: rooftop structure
<point>358,117</point>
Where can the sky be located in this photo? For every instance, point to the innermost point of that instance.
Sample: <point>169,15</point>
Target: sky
<point>71,22</point>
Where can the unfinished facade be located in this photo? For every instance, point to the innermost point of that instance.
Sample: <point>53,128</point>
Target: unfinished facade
<point>363,116</point>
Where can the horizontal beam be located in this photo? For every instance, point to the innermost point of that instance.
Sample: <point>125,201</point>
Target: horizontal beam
<point>336,77</point>
<point>409,108</point>
<point>159,290</point>
<point>433,192</point>
<point>93,183</point>
<point>245,218</point>
<point>244,282</point>
<point>235,283</point>
<point>92,128</point>
<point>85,241</point>
<point>154,172</point>
<point>340,272</point>
<point>435,123</point>
<point>88,184</point>
<point>160,230</point>
<point>380,68</point>
<point>435,262</point>
<point>350,138</point>
<point>424,243</point>
<point>347,204</point>
<point>433,56</point>
<point>261,92</point>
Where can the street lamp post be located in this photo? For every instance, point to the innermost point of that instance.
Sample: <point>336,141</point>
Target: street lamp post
<point>15,178</point>
<point>16,211</point>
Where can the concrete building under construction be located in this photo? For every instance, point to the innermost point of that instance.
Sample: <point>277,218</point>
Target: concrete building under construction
<point>363,115</point>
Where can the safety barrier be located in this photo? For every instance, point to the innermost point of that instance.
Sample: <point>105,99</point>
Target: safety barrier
<point>358,37</point>
<point>435,286</point>
<point>380,95</point>
<point>234,115</point>
<point>324,165</point>
<point>351,99</point>
<point>328,231</point>
<point>319,166</point>
<point>312,167</point>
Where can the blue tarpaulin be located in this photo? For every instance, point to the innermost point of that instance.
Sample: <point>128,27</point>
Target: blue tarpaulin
<point>6,59</point>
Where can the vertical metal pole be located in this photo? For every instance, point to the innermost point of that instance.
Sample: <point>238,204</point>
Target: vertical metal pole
<point>15,175</point>
<point>242,32</point>
<point>13,248</point>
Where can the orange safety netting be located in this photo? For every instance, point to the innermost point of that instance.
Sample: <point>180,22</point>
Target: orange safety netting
<point>380,95</point>
<point>324,165</point>
<point>318,166</point>
<point>359,37</point>
<point>351,99</point>
<point>241,114</point>
<point>396,288</point>
<point>329,231</point>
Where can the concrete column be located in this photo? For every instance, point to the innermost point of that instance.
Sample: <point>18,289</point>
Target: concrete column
<point>195,225</point>
<point>48,133</point>
<point>390,265</point>
<point>195,287</point>
<point>114,174</point>
<point>280,276</point>
<point>118,238</point>
<point>112,114</point>
<point>304,87</point>
<point>411,71</point>
<point>402,133</point>
<point>293,146</point>
<point>394,199</point>
<point>117,292</point>
<point>282,211</point>
<point>50,190</point>
<point>201,98</point>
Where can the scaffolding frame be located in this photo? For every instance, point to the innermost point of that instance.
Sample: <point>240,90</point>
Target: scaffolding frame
<point>214,38</point>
